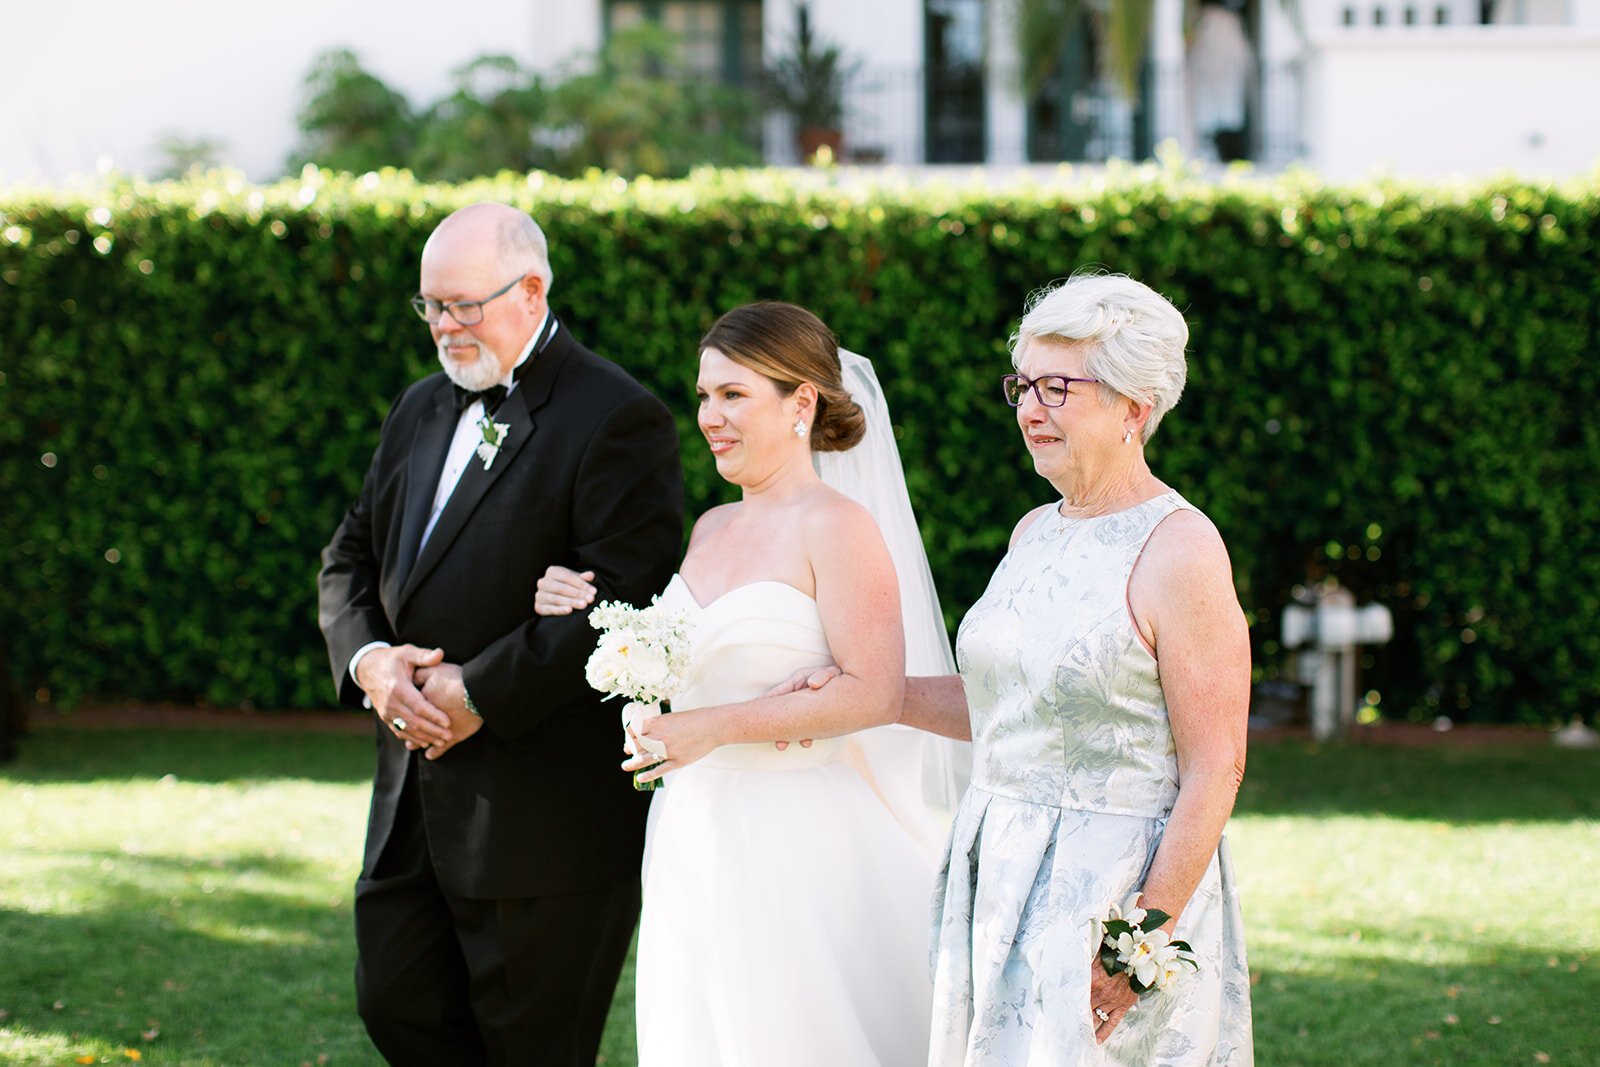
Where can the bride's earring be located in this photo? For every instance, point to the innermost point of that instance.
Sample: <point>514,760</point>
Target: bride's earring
<point>799,427</point>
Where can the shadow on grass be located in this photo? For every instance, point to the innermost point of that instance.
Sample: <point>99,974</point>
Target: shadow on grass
<point>1455,785</point>
<point>1501,1007</point>
<point>210,756</point>
<point>228,975</point>
<point>95,870</point>
<point>1458,785</point>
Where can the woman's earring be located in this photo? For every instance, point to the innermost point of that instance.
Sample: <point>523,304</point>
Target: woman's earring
<point>1127,435</point>
<point>799,427</point>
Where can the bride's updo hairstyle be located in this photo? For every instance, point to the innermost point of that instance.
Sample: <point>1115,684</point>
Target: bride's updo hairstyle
<point>787,345</point>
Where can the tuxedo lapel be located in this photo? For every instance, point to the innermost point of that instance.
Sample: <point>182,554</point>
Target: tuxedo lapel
<point>517,412</point>
<point>423,467</point>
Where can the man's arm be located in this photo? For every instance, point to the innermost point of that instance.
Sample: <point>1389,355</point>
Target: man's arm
<point>351,616</point>
<point>627,527</point>
<point>349,611</point>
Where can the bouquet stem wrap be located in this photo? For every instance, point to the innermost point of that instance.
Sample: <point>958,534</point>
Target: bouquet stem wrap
<point>634,715</point>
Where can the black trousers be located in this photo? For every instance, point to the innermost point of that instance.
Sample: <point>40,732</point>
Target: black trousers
<point>444,980</point>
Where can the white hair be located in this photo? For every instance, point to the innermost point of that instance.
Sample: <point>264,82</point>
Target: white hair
<point>522,247</point>
<point>1135,338</point>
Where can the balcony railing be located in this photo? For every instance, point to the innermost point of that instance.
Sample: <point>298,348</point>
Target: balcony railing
<point>973,117</point>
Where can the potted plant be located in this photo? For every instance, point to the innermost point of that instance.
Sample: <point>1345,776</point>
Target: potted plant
<point>808,85</point>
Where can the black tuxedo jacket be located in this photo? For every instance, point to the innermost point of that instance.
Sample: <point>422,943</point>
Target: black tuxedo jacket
<point>588,477</point>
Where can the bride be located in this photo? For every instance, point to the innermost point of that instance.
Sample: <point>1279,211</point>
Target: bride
<point>787,887</point>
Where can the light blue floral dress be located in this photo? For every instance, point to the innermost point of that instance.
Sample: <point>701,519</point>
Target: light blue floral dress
<point>1074,775</point>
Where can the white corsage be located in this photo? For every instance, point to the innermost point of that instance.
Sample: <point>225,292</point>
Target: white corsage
<point>643,654</point>
<point>1132,943</point>
<point>494,435</point>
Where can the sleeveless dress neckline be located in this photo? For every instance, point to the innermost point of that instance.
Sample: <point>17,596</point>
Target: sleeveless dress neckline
<point>758,583</point>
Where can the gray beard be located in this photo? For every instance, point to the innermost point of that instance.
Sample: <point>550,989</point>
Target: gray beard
<point>480,375</point>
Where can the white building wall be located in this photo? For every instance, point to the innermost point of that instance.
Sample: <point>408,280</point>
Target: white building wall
<point>105,78</point>
<point>1435,101</point>
<point>563,32</point>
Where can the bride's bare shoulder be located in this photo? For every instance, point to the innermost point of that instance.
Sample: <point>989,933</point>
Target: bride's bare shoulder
<point>711,521</point>
<point>839,532</point>
<point>826,509</point>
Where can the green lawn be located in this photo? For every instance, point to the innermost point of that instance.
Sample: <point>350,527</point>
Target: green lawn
<point>184,897</point>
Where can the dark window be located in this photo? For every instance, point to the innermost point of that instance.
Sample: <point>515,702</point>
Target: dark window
<point>953,80</point>
<point>721,38</point>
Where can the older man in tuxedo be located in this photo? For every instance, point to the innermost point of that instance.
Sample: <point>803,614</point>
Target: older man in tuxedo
<point>500,883</point>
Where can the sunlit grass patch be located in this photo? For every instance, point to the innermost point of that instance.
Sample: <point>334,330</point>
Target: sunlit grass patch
<point>186,896</point>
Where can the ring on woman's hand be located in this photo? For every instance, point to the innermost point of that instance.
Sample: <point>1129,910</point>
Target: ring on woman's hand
<point>1102,1014</point>
<point>400,724</point>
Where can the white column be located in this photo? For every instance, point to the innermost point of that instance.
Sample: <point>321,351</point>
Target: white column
<point>1005,109</point>
<point>563,31</point>
<point>1171,103</point>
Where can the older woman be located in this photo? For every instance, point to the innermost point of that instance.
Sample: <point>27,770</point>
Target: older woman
<point>1104,679</point>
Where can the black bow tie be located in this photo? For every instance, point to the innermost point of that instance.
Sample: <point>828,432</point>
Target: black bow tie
<point>491,398</point>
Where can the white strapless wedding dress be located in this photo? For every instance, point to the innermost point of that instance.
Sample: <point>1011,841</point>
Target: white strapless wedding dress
<point>786,894</point>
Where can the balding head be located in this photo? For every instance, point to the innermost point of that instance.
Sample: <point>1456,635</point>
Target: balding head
<point>500,230</point>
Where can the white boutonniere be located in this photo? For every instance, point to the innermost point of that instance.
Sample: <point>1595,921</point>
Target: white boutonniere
<point>494,435</point>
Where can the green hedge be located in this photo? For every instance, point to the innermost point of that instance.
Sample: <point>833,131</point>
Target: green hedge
<point>1390,384</point>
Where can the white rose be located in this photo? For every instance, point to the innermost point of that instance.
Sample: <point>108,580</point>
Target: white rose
<point>649,668</point>
<point>609,666</point>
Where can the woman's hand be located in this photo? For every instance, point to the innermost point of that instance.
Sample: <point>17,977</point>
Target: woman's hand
<point>687,736</point>
<point>562,591</point>
<point>1111,998</point>
<point>812,678</point>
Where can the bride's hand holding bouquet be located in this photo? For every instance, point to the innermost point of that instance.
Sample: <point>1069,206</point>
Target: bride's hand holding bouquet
<point>642,655</point>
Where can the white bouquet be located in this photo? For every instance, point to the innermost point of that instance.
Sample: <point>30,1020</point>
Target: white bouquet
<point>1132,942</point>
<point>642,655</point>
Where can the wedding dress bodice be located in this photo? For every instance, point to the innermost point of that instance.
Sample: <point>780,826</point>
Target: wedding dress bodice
<point>785,893</point>
<point>743,643</point>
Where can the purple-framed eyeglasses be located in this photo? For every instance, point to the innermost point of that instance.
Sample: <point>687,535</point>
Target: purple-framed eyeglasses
<point>1049,389</point>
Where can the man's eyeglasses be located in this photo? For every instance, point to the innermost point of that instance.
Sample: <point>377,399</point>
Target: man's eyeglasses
<point>1049,389</point>
<point>465,312</point>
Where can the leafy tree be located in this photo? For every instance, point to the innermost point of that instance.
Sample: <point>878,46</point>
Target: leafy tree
<point>490,123</point>
<point>351,120</point>
<point>180,154</point>
<point>636,108</point>
<point>639,109</point>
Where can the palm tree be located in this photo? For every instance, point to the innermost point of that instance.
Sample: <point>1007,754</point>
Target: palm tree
<point>1043,28</point>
